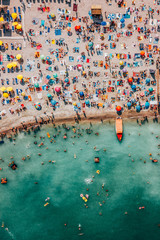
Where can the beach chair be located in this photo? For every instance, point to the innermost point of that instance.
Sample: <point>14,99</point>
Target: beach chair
<point>8,13</point>
<point>15,10</point>
<point>12,28</point>
<point>19,10</point>
<point>20,17</point>
<point>16,81</point>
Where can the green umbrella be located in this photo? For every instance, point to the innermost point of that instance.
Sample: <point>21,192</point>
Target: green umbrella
<point>55,75</point>
<point>151,89</point>
<point>90,44</point>
<point>49,95</point>
<point>42,57</point>
<point>36,85</point>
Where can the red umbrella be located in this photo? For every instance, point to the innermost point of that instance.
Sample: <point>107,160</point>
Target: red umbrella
<point>118,108</point>
<point>57,89</point>
<point>130,80</point>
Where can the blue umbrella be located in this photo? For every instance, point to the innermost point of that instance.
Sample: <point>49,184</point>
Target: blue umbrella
<point>122,20</point>
<point>147,105</point>
<point>138,108</point>
<point>53,102</point>
<point>148,80</point>
<point>133,87</point>
<point>111,16</point>
<point>129,105</point>
<point>103,23</point>
<point>81,94</point>
<point>66,80</point>
<point>87,102</point>
<point>151,89</point>
<point>48,76</point>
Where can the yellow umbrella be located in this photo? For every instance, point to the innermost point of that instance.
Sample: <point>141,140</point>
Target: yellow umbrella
<point>1,43</point>
<point>23,94</point>
<point>19,26</point>
<point>14,64</point>
<point>20,77</point>
<point>1,19</point>
<point>5,95</point>
<point>14,15</point>
<point>9,65</point>
<point>2,89</point>
<point>18,56</point>
<point>74,104</point>
<point>9,89</point>
<point>121,62</point>
<point>14,23</point>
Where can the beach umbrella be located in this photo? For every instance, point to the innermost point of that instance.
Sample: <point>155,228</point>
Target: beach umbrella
<point>14,15</point>
<point>129,105</point>
<point>124,70</point>
<point>87,102</point>
<point>23,94</point>
<point>142,53</point>
<point>133,87</point>
<point>122,20</point>
<point>48,58</point>
<point>19,26</point>
<point>81,94</point>
<point>100,104</point>
<point>107,24</point>
<point>90,44</point>
<point>1,19</point>
<point>147,105</point>
<point>130,80</point>
<point>14,23</point>
<point>1,43</point>
<point>57,89</point>
<point>2,89</point>
<point>53,102</point>
<point>49,95</point>
<point>103,23</point>
<point>18,56</point>
<point>42,57</point>
<point>118,108</point>
<point>14,64</point>
<point>48,77</point>
<point>9,89</point>
<point>5,95</point>
<point>19,77</point>
<point>55,75</point>
<point>66,80</point>
<point>74,104</point>
<point>121,63</point>
<point>142,94</point>
<point>36,85</point>
<point>68,29</point>
<point>111,16</point>
<point>151,89</point>
<point>148,80</point>
<point>138,108</point>
<point>9,65</point>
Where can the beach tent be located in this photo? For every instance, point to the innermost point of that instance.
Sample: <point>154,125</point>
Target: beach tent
<point>57,32</point>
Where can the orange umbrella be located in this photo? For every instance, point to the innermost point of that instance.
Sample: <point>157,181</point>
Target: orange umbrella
<point>118,108</point>
<point>142,53</point>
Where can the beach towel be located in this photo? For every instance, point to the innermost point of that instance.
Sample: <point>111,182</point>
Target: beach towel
<point>57,32</point>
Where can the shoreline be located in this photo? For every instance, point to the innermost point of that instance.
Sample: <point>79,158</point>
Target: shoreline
<point>48,120</point>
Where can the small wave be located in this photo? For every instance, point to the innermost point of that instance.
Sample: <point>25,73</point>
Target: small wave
<point>88,180</point>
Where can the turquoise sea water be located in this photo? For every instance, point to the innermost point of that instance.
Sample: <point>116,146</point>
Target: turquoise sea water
<point>129,185</point>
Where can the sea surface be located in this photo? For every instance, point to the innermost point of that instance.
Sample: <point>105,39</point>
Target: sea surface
<point>111,213</point>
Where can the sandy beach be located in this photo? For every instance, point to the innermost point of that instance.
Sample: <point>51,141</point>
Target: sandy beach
<point>69,103</point>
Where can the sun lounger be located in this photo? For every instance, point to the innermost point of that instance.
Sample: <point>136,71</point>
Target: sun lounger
<point>15,10</point>
<point>19,10</point>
